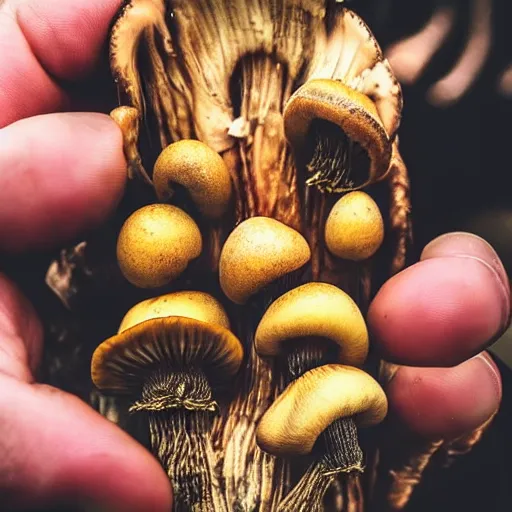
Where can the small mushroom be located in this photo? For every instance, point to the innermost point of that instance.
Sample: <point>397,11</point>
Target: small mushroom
<point>156,244</point>
<point>354,229</point>
<point>308,312</point>
<point>198,169</point>
<point>259,252</point>
<point>338,132</point>
<point>170,353</point>
<point>127,118</point>
<point>321,409</point>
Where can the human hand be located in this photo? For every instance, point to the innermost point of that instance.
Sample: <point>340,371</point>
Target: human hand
<point>59,174</point>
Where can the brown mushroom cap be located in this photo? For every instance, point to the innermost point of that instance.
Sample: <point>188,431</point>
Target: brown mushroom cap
<point>314,310</point>
<point>354,229</point>
<point>199,169</point>
<point>176,330</point>
<point>259,251</point>
<point>352,111</point>
<point>311,403</point>
<point>155,245</point>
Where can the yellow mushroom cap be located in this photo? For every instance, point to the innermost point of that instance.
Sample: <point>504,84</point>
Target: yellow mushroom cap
<point>311,403</point>
<point>354,112</point>
<point>156,244</point>
<point>314,310</point>
<point>259,251</point>
<point>126,117</point>
<point>200,170</point>
<point>354,229</point>
<point>174,330</point>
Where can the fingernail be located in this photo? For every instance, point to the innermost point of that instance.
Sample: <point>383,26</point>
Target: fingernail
<point>490,365</point>
<point>468,245</point>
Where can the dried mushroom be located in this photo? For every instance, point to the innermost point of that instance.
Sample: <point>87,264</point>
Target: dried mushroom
<point>156,244</point>
<point>354,229</point>
<point>259,252</point>
<point>169,355</point>
<point>193,166</point>
<point>315,401</point>
<point>348,145</point>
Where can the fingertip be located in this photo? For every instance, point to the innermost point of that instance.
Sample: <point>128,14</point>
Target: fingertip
<point>468,245</point>
<point>438,312</point>
<point>444,403</point>
<point>65,37</point>
<point>62,174</point>
<point>21,333</point>
<point>60,451</point>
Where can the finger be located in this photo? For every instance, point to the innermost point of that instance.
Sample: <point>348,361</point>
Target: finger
<point>59,174</point>
<point>56,450</point>
<point>66,37</point>
<point>25,88</point>
<point>18,322</point>
<point>42,43</point>
<point>444,403</point>
<point>53,448</point>
<point>445,308</point>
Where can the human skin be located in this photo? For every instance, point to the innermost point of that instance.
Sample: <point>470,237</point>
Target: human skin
<point>53,447</point>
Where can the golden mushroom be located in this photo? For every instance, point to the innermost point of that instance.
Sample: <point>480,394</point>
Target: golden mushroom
<point>198,169</point>
<point>169,354</point>
<point>156,244</point>
<point>128,120</point>
<point>312,312</point>
<point>259,252</point>
<point>324,405</point>
<point>354,229</point>
<point>338,132</point>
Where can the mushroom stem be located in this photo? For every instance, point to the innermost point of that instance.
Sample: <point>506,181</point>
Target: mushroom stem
<point>337,163</point>
<point>180,439</point>
<point>338,449</point>
<point>276,289</point>
<point>180,407</point>
<point>307,495</point>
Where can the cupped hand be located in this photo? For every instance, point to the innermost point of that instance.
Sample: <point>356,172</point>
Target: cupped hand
<point>60,173</point>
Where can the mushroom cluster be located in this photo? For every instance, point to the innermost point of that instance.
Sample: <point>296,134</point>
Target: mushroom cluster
<point>293,110</point>
<point>173,352</point>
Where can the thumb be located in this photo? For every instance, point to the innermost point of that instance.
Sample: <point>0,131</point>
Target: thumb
<point>54,449</point>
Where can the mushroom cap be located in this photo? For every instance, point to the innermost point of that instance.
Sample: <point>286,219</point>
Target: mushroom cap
<point>126,117</point>
<point>354,112</point>
<point>156,244</point>
<point>311,403</point>
<point>198,168</point>
<point>175,330</point>
<point>259,251</point>
<point>354,229</point>
<point>314,310</point>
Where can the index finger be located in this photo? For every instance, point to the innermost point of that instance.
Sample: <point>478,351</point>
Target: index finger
<point>44,42</point>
